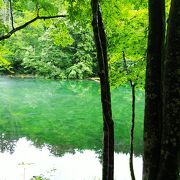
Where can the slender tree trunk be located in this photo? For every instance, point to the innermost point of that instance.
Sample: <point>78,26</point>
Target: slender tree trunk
<point>11,14</point>
<point>132,120</point>
<point>108,125</point>
<point>170,150</point>
<point>153,90</point>
<point>132,132</point>
<point>6,13</point>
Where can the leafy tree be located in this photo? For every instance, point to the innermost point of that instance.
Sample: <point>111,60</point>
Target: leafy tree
<point>53,49</point>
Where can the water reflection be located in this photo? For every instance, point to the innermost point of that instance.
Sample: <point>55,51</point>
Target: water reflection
<point>57,118</point>
<point>7,144</point>
<point>28,161</point>
<point>66,115</point>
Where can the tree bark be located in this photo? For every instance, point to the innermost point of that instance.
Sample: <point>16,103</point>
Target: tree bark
<point>153,90</point>
<point>170,150</point>
<point>108,125</point>
<point>132,132</point>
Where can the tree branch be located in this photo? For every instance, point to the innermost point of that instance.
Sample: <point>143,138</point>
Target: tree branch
<point>10,33</point>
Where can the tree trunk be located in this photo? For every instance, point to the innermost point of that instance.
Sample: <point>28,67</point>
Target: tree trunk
<point>11,14</point>
<point>132,120</point>
<point>108,125</point>
<point>132,131</point>
<point>6,13</point>
<point>153,90</point>
<point>170,150</point>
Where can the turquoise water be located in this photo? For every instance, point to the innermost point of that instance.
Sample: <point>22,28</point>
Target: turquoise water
<point>64,116</point>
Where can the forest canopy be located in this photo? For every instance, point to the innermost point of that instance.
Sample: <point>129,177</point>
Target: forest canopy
<point>63,47</point>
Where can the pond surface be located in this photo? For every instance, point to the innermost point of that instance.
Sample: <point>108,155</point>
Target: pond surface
<point>54,128</point>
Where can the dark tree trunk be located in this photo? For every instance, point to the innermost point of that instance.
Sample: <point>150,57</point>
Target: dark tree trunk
<point>132,132</point>
<point>108,126</point>
<point>170,150</point>
<point>132,120</point>
<point>153,90</point>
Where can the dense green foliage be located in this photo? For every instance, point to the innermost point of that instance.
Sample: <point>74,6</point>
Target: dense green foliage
<point>63,47</point>
<point>5,65</point>
<point>42,53</point>
<point>55,48</point>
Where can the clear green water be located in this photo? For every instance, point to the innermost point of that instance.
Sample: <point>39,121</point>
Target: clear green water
<point>64,115</point>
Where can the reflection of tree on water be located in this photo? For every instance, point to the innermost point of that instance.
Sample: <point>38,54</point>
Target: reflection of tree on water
<point>8,131</point>
<point>60,150</point>
<point>63,116</point>
<point>7,144</point>
<point>78,87</point>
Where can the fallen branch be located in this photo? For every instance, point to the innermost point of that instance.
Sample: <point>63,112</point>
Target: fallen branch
<point>10,33</point>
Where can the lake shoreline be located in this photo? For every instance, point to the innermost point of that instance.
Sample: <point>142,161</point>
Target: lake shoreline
<point>30,76</point>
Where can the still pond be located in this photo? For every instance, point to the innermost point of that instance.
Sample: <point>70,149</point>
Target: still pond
<point>54,129</point>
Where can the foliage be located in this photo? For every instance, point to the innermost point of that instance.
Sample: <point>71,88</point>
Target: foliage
<point>120,76</point>
<point>53,50</point>
<point>39,178</point>
<point>79,71</point>
<point>63,48</point>
<point>126,27</point>
<point>5,65</point>
<point>59,59</point>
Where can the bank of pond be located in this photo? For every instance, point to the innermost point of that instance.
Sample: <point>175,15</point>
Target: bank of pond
<point>54,128</point>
